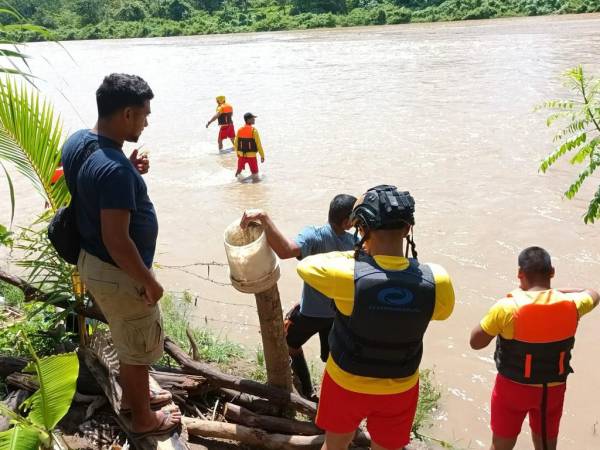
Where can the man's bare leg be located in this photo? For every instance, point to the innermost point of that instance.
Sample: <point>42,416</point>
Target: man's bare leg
<point>136,394</point>
<point>500,443</point>
<point>337,441</point>
<point>220,143</point>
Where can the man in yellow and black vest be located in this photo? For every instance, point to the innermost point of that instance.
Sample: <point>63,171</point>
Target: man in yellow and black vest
<point>534,327</point>
<point>247,145</point>
<point>224,116</point>
<point>384,302</point>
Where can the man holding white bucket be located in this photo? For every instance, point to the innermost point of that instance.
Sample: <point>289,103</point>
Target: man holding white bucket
<point>314,314</point>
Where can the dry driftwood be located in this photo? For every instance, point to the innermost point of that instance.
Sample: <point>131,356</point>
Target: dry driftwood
<point>12,402</point>
<point>251,402</point>
<point>179,381</point>
<point>8,365</point>
<point>217,378</point>
<point>23,381</point>
<point>251,436</point>
<point>241,415</point>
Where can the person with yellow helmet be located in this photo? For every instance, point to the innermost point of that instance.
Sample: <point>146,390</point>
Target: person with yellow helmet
<point>224,117</point>
<point>247,144</point>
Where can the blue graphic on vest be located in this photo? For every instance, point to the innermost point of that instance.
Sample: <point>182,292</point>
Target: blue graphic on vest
<point>394,299</point>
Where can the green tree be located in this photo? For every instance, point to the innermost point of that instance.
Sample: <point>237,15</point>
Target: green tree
<point>175,9</point>
<point>89,11</point>
<point>318,6</point>
<point>131,11</point>
<point>579,134</point>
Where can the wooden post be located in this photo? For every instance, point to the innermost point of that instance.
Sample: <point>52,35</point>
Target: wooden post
<point>275,348</point>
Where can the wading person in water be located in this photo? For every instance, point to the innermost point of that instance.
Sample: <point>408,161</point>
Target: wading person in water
<point>224,118</point>
<point>534,327</point>
<point>118,229</point>
<point>247,145</point>
<point>384,302</point>
<point>314,314</point>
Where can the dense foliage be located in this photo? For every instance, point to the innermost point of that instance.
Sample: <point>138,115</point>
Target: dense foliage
<point>100,19</point>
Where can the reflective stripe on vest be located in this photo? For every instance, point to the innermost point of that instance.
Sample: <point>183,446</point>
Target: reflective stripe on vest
<point>246,141</point>
<point>383,338</point>
<point>226,114</point>
<point>544,335</point>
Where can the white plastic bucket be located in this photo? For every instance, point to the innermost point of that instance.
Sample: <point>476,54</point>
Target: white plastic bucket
<point>253,266</point>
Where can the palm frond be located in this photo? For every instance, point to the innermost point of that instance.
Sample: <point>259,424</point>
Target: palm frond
<point>11,192</point>
<point>30,139</point>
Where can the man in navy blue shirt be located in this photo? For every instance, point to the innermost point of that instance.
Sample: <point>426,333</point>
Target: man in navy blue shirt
<point>118,228</point>
<point>315,313</point>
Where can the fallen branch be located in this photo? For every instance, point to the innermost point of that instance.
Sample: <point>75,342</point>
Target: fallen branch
<point>251,402</point>
<point>251,436</point>
<point>241,415</point>
<point>217,378</point>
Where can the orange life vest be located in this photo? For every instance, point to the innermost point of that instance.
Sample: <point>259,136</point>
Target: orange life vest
<point>246,141</point>
<point>59,172</point>
<point>544,335</point>
<point>226,114</point>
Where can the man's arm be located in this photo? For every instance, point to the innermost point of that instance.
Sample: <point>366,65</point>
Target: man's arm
<point>283,247</point>
<point>215,117</point>
<point>115,236</point>
<point>259,145</point>
<point>479,338</point>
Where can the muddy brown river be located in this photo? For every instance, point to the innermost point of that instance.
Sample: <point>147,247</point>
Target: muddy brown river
<point>442,110</point>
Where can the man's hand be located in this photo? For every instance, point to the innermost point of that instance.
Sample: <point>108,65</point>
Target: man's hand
<point>207,124</point>
<point>153,292</point>
<point>262,159</point>
<point>252,215</point>
<point>140,162</point>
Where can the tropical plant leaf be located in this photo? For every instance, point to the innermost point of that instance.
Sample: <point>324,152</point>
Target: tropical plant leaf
<point>20,437</point>
<point>30,139</point>
<point>11,192</point>
<point>57,377</point>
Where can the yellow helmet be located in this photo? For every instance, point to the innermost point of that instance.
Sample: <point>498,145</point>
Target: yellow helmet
<point>220,99</point>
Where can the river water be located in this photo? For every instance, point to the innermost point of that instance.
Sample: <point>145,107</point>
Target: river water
<point>442,110</point>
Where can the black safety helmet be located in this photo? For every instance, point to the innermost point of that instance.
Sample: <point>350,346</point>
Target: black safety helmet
<point>384,207</point>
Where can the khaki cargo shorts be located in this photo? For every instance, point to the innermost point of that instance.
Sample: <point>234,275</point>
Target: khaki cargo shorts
<point>136,328</point>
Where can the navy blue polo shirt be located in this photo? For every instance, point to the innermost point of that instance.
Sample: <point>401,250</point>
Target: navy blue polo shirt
<point>107,180</point>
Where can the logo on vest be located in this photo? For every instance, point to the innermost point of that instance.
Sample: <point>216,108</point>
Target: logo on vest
<point>394,298</point>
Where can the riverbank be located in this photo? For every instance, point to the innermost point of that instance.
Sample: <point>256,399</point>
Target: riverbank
<point>180,18</point>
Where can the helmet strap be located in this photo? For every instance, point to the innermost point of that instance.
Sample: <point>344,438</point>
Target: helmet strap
<point>410,242</point>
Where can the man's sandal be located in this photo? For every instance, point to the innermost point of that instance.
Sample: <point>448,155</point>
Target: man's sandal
<point>165,426</point>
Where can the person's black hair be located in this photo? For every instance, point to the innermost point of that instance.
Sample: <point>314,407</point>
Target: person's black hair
<point>120,90</point>
<point>340,208</point>
<point>535,261</point>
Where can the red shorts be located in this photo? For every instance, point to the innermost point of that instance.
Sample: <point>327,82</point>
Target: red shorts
<point>389,416</point>
<point>511,402</point>
<point>227,131</point>
<point>251,161</point>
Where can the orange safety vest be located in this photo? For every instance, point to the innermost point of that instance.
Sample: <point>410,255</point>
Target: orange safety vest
<point>246,141</point>
<point>544,335</point>
<point>225,117</point>
<point>59,172</point>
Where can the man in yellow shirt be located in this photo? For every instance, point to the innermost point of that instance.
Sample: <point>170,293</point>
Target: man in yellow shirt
<point>224,116</point>
<point>384,302</point>
<point>534,327</point>
<point>247,144</point>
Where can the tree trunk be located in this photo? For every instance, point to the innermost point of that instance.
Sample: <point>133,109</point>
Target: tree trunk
<point>239,414</point>
<point>275,348</point>
<point>217,378</point>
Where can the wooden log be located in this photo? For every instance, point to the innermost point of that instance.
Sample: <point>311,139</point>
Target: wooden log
<point>217,378</point>
<point>174,441</point>
<point>9,364</point>
<point>12,402</point>
<point>270,316</point>
<point>251,436</point>
<point>251,402</point>
<point>241,415</point>
<point>24,381</point>
<point>178,381</point>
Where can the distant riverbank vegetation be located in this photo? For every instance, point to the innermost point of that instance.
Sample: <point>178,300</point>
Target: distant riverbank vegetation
<point>106,19</point>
